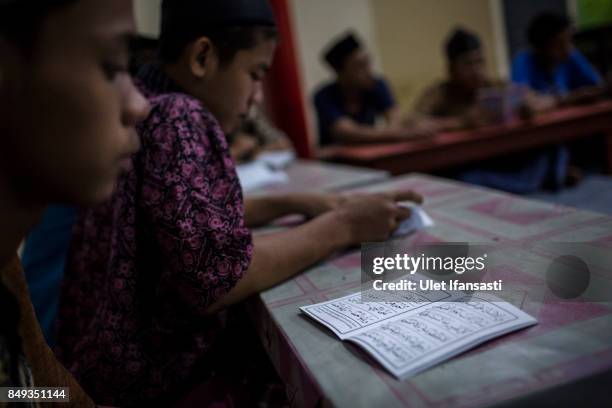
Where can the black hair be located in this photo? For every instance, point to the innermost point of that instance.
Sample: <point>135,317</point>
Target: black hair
<point>544,27</point>
<point>227,41</point>
<point>337,53</point>
<point>20,20</point>
<point>459,42</point>
<point>143,50</point>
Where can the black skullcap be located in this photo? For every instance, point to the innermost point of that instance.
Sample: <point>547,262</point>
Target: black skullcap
<point>215,13</point>
<point>183,21</point>
<point>544,27</point>
<point>336,54</point>
<point>460,42</point>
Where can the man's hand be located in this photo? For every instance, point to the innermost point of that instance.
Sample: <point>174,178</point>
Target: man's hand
<point>314,204</point>
<point>373,217</point>
<point>535,103</point>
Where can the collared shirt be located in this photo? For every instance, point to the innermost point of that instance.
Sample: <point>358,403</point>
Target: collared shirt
<point>575,73</point>
<point>444,99</point>
<point>330,106</point>
<point>144,269</point>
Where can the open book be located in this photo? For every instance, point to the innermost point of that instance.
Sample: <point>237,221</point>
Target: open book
<point>421,329</point>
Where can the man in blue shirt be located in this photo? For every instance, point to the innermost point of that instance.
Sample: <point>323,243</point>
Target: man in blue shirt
<point>349,107</point>
<point>553,66</point>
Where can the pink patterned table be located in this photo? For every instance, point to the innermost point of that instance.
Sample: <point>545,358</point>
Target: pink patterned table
<point>571,341</point>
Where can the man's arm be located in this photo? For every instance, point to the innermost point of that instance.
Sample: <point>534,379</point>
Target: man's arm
<point>261,210</point>
<point>588,86</point>
<point>278,256</point>
<point>583,95</point>
<point>435,124</point>
<point>346,130</point>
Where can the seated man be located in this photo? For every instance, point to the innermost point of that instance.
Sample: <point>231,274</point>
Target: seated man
<point>553,66</point>
<point>454,103</point>
<point>348,108</point>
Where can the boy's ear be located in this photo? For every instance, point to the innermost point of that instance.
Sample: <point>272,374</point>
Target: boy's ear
<point>202,57</point>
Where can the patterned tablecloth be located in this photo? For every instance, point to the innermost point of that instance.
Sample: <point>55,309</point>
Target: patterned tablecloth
<point>571,341</point>
<point>305,175</point>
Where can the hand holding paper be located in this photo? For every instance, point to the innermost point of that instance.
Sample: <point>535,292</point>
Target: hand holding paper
<point>418,220</point>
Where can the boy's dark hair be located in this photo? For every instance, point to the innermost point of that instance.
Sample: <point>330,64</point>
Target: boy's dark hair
<point>231,25</point>
<point>20,20</point>
<point>544,27</point>
<point>459,42</point>
<point>143,50</point>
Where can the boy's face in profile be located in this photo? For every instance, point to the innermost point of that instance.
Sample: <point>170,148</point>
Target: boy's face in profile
<point>357,70</point>
<point>69,104</point>
<point>230,90</point>
<point>468,70</point>
<point>560,47</point>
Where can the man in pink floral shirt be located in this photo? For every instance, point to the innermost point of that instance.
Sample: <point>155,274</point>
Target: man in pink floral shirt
<point>139,320</point>
<point>145,268</point>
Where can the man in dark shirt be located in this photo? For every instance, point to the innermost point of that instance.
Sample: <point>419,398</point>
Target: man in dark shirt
<point>349,107</point>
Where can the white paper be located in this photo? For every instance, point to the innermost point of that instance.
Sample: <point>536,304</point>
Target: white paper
<point>277,159</point>
<point>409,337</point>
<point>417,220</point>
<point>347,315</point>
<point>258,174</point>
